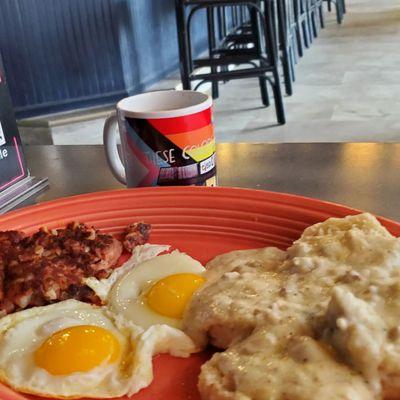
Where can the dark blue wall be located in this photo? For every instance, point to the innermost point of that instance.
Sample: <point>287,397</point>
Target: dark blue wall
<point>64,54</point>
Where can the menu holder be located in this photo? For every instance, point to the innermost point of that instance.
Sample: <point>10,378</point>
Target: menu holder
<point>17,186</point>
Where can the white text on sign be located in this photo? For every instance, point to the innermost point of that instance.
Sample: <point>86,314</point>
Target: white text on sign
<point>3,154</point>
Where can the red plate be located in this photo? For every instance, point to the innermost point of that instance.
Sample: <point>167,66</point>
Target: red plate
<point>201,221</point>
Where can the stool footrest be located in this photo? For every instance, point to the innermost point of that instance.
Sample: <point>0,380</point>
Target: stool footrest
<point>240,38</point>
<point>226,60</point>
<point>235,74</point>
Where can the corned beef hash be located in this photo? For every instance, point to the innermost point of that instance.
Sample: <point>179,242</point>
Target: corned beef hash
<point>50,265</point>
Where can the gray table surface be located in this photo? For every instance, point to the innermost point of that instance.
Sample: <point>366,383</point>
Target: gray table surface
<point>364,176</point>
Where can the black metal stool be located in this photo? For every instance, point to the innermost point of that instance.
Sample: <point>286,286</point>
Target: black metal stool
<point>258,57</point>
<point>243,36</point>
<point>239,36</point>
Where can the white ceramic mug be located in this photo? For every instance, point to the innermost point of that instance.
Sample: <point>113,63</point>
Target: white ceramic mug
<point>167,138</point>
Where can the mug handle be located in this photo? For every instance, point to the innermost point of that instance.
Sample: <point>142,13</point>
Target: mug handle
<point>110,133</point>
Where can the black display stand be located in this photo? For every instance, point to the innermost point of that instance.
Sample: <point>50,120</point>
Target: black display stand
<point>16,184</point>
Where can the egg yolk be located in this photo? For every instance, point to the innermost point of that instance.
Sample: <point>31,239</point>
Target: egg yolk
<point>170,295</point>
<point>77,349</point>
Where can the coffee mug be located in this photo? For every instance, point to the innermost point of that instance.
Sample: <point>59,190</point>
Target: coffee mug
<point>167,138</point>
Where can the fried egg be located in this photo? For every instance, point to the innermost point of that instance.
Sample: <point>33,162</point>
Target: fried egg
<point>158,290</point>
<point>151,289</point>
<point>72,349</point>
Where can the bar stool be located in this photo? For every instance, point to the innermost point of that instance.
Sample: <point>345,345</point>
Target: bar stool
<point>281,32</point>
<point>239,36</point>
<point>257,58</point>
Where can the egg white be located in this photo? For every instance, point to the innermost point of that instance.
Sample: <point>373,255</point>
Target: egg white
<point>140,254</point>
<point>128,296</point>
<point>22,333</point>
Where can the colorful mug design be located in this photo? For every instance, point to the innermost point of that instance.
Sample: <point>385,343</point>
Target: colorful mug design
<point>167,138</point>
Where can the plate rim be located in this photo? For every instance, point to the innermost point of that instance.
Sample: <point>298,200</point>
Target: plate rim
<point>312,202</point>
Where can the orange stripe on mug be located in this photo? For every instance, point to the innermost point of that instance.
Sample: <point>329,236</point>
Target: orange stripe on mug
<point>196,137</point>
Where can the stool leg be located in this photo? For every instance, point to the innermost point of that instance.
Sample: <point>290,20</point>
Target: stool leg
<point>298,31</point>
<point>344,6</point>
<point>310,27</point>
<point>293,37</point>
<point>234,17</point>
<point>220,23</point>
<point>184,58</point>
<point>292,54</point>
<point>295,52</point>
<point>339,15</point>
<point>304,23</point>
<point>321,15</point>
<point>276,87</point>
<point>313,24</point>
<point>282,33</point>
<point>211,48</point>
<point>242,15</point>
<point>224,27</point>
<point>299,38</point>
<point>306,32</point>
<point>329,2</point>
<point>255,23</point>
<point>279,107</point>
<point>264,91</point>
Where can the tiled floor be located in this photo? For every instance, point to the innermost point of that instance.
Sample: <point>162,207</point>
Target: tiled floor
<point>347,88</point>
